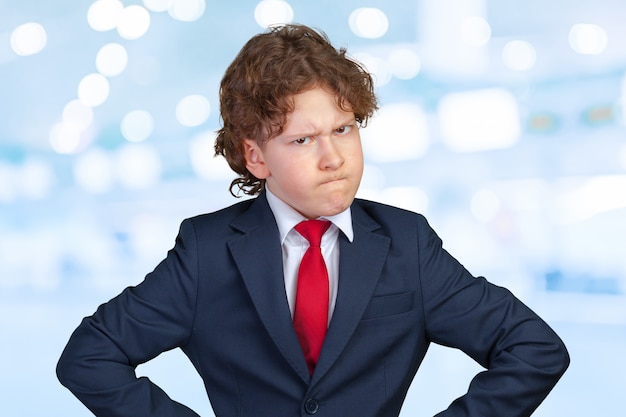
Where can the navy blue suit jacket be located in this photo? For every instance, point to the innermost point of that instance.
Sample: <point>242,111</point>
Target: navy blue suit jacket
<point>219,296</point>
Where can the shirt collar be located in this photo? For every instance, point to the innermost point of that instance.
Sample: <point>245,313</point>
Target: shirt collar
<point>287,217</point>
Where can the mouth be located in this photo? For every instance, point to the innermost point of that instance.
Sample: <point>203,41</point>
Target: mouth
<point>332,180</point>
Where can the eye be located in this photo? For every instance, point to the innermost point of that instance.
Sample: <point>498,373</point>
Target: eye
<point>343,130</point>
<point>303,140</point>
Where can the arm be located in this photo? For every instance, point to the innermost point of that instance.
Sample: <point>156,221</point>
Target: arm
<point>522,355</point>
<point>99,361</point>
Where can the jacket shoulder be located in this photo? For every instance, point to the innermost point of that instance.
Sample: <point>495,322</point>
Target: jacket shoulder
<point>380,211</point>
<point>218,220</point>
<point>397,223</point>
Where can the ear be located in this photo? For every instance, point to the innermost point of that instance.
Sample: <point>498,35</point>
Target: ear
<point>254,159</point>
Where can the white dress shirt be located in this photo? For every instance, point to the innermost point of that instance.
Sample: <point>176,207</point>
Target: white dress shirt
<point>294,246</point>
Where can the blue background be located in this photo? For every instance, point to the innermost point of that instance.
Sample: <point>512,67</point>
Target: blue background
<point>544,215</point>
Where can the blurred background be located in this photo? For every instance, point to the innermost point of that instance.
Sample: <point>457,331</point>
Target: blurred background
<point>503,121</point>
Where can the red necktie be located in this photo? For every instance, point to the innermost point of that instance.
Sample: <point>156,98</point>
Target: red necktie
<point>310,318</point>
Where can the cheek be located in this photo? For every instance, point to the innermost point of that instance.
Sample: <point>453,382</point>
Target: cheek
<point>290,176</point>
<point>356,160</point>
<point>354,151</point>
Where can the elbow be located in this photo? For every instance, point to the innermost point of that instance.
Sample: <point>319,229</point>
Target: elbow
<point>563,359</point>
<point>62,374</point>
<point>75,366</point>
<point>555,361</point>
<point>66,370</point>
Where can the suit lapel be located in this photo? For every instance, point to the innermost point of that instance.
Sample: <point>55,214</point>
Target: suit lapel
<point>258,255</point>
<point>360,266</point>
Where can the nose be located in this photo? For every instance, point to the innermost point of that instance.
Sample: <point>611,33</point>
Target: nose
<point>331,157</point>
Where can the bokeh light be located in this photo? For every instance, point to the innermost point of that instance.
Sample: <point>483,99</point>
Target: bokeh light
<point>111,59</point>
<point>186,10</point>
<point>65,138</point>
<point>78,115</point>
<point>273,12</point>
<point>193,110</point>
<point>28,39</point>
<point>157,5</point>
<point>93,171</point>
<point>404,63</point>
<point>479,120</point>
<point>137,166</point>
<point>36,179</point>
<point>93,90</point>
<point>519,55</point>
<point>398,133</point>
<point>588,39</point>
<point>133,22</point>
<point>368,22</point>
<point>475,31</point>
<point>103,15</point>
<point>137,125</point>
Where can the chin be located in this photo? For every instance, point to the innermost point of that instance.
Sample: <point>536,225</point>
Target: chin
<point>338,207</point>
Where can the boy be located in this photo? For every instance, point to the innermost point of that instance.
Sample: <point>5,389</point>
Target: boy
<point>231,293</point>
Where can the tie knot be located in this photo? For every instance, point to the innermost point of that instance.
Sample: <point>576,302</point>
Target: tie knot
<point>313,230</point>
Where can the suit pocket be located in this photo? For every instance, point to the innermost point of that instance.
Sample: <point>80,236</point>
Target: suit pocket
<point>389,305</point>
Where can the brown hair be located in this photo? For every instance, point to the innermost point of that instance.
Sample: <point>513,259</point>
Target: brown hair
<point>256,92</point>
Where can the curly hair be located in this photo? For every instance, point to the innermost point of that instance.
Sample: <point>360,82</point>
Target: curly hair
<point>256,92</point>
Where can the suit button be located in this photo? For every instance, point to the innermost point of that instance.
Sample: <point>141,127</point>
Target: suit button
<point>311,406</point>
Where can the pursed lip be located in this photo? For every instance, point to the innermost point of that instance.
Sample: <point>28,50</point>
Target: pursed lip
<point>333,180</point>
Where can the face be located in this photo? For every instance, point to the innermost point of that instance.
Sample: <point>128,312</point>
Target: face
<point>315,165</point>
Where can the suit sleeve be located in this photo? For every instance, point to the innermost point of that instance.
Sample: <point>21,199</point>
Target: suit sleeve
<point>522,356</point>
<point>98,364</point>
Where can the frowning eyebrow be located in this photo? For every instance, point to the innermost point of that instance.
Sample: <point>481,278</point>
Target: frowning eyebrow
<point>347,121</point>
<point>288,134</point>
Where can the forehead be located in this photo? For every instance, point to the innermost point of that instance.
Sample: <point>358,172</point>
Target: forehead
<point>316,105</point>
